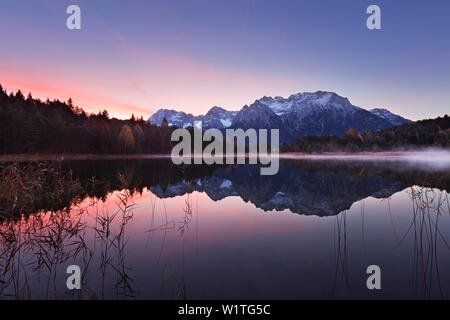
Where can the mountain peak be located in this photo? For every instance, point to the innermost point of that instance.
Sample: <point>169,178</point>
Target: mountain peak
<point>215,110</point>
<point>320,98</point>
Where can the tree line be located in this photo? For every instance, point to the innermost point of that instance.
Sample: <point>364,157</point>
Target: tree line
<point>29,125</point>
<point>410,136</point>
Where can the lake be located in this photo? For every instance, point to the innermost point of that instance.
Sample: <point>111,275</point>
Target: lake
<point>144,228</point>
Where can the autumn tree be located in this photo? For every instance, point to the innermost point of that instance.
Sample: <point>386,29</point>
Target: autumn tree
<point>126,139</point>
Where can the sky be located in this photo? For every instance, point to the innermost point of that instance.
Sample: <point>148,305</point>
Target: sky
<point>189,55</point>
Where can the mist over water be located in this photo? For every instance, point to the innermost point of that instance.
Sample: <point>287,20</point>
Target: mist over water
<point>432,159</point>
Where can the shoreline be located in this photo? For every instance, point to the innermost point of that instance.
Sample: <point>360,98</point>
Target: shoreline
<point>62,157</point>
<point>387,155</point>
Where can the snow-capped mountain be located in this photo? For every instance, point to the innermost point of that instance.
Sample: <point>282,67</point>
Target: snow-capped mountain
<point>302,114</point>
<point>260,116</point>
<point>391,117</point>
<point>174,118</point>
<point>216,117</point>
<point>307,114</point>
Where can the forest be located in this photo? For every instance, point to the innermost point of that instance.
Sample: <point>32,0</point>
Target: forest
<point>29,125</point>
<point>411,136</point>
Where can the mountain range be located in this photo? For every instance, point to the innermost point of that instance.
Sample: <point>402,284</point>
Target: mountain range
<point>303,114</point>
<point>317,193</point>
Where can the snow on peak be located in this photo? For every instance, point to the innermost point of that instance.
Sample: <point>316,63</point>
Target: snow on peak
<point>305,100</point>
<point>226,122</point>
<point>391,117</point>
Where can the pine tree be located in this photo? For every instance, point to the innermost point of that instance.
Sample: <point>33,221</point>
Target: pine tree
<point>164,123</point>
<point>19,95</point>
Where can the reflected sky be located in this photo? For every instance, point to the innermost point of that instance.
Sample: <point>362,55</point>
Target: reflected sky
<point>189,246</point>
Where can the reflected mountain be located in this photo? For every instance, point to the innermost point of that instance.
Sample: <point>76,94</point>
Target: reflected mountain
<point>306,193</point>
<point>306,187</point>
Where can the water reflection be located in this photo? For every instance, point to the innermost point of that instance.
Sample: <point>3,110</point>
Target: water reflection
<point>305,187</point>
<point>146,229</point>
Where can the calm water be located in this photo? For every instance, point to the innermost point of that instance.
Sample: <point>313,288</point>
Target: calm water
<point>165,232</point>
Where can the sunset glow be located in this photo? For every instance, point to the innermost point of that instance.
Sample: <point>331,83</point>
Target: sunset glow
<point>146,56</point>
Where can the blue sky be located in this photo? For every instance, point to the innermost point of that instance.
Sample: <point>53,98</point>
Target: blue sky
<point>138,56</point>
